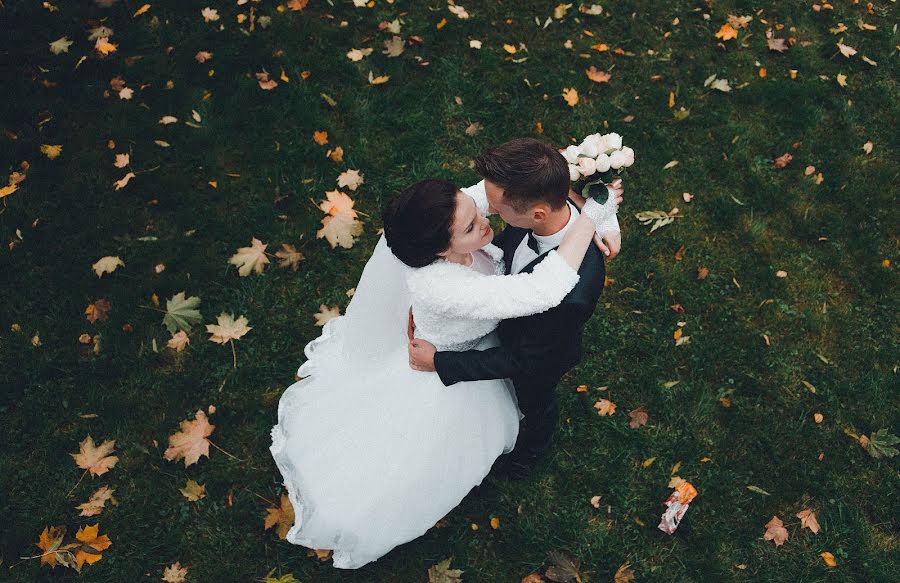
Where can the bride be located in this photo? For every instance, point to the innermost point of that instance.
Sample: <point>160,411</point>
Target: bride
<point>372,452</point>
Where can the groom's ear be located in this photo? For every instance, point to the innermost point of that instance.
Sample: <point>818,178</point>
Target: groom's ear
<point>540,212</point>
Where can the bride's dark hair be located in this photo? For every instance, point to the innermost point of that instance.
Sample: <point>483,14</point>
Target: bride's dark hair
<point>417,222</point>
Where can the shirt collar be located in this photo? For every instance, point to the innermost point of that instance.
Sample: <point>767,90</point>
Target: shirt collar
<point>547,242</point>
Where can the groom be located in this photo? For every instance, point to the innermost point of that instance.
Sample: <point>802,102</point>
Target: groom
<point>527,183</point>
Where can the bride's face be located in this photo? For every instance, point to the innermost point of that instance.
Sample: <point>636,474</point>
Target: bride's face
<point>470,231</point>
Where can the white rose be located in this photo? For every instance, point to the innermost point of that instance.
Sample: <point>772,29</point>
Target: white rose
<point>587,166</point>
<point>617,159</point>
<point>574,174</point>
<point>571,154</point>
<point>613,141</point>
<point>591,145</point>
<point>602,163</point>
<point>629,156</point>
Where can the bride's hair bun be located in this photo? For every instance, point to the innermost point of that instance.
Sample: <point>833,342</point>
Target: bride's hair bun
<point>417,222</point>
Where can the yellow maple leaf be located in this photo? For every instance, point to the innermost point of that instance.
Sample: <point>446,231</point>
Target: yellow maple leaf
<point>252,258</point>
<point>49,541</point>
<point>7,190</point>
<point>104,47</point>
<point>193,491</point>
<point>350,178</point>
<point>97,502</point>
<point>107,264</point>
<point>340,230</point>
<point>90,550</point>
<point>51,151</point>
<point>191,442</point>
<point>178,341</point>
<point>597,76</point>
<point>283,516</point>
<point>570,94</point>
<point>175,573</point>
<point>60,45</point>
<point>95,459</point>
<point>727,32</point>
<point>228,328</point>
<point>325,314</point>
<point>829,559</point>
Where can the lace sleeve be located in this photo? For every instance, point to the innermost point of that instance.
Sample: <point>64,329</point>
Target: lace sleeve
<point>477,193</point>
<point>456,290</point>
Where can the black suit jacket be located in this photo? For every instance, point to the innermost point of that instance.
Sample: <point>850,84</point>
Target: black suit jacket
<point>535,351</point>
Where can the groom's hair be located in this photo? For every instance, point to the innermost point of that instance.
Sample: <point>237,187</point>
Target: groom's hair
<point>418,222</point>
<point>529,171</point>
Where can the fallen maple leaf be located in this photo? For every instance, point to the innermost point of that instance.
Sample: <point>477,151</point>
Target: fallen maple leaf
<point>182,312</point>
<point>442,573</point>
<point>727,32</point>
<point>289,257</point>
<point>178,341</point>
<point>597,76</point>
<point>297,5</point>
<point>122,160</point>
<point>60,45</point>
<point>458,11</point>
<point>193,491</point>
<point>336,155</point>
<point>841,79</point>
<point>846,50</point>
<point>49,541</point>
<point>776,532</point>
<point>191,442</point>
<point>94,459</point>
<point>97,502</point>
<point>571,96</point>
<point>89,552</point>
<point>175,573</point>
<point>51,151</point>
<point>209,14</point>
<point>639,418</point>
<point>394,47</point>
<point>357,55</point>
<point>104,47</point>
<point>829,559</point>
<point>98,310</point>
<point>325,314</point>
<point>264,82</point>
<point>350,178</point>
<point>564,567</point>
<point>775,44</point>
<point>283,516</point>
<point>867,147</point>
<point>379,80</point>
<point>250,259</point>
<point>783,160</point>
<point>624,574</point>
<point>123,182</point>
<point>605,407</point>
<point>203,56</point>
<point>808,520</point>
<point>228,328</point>
<point>320,137</point>
<point>474,128</point>
<point>107,264</point>
<point>143,9</point>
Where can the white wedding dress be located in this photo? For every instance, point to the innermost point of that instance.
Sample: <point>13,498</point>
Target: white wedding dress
<point>374,453</point>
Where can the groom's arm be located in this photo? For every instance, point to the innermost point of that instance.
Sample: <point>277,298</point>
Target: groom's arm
<point>546,347</point>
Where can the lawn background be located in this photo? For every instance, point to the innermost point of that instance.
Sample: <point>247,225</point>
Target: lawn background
<point>832,322</point>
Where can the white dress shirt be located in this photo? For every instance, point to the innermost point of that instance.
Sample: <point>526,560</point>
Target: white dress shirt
<point>525,255</point>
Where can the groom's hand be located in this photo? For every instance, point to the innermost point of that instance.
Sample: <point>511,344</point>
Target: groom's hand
<point>421,355</point>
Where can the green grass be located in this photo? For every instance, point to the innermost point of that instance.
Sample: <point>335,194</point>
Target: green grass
<point>746,222</point>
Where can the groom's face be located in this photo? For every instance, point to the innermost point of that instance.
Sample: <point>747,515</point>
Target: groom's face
<point>507,212</point>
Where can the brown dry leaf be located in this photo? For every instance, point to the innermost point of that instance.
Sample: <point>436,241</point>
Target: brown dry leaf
<point>379,80</point>
<point>179,341</point>
<point>350,178</point>
<point>264,82</point>
<point>123,182</point>
<point>175,573</point>
<point>442,573</point>
<point>474,128</point>
<point>679,255</point>
<point>808,520</point>
<point>325,314</point>
<point>320,137</point>
<point>776,532</point>
<point>88,536</point>
<point>97,502</point>
<point>297,5</point>
<point>605,407</point>
<point>49,541</point>
<point>783,160</point>
<point>282,516</point>
<point>639,418</point>
<point>95,459</point>
<point>571,96</point>
<point>532,578</point>
<point>841,79</point>
<point>702,273</point>
<point>289,257</point>
<point>597,76</point>
<point>99,310</point>
<point>228,328</point>
<point>727,32</point>
<point>250,259</point>
<point>122,160</point>
<point>563,568</point>
<point>624,574</point>
<point>336,155</point>
<point>394,47</point>
<point>191,442</point>
<point>203,56</point>
<point>867,147</point>
<point>51,151</point>
<point>193,491</point>
<point>739,21</point>
<point>104,47</point>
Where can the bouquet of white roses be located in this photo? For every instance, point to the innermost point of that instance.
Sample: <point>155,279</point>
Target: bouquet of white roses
<point>596,158</point>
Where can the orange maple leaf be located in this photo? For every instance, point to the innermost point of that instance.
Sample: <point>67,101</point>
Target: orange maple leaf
<point>283,517</point>
<point>727,32</point>
<point>95,459</point>
<point>91,550</point>
<point>190,443</point>
<point>597,76</point>
<point>808,520</point>
<point>49,541</point>
<point>775,531</point>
